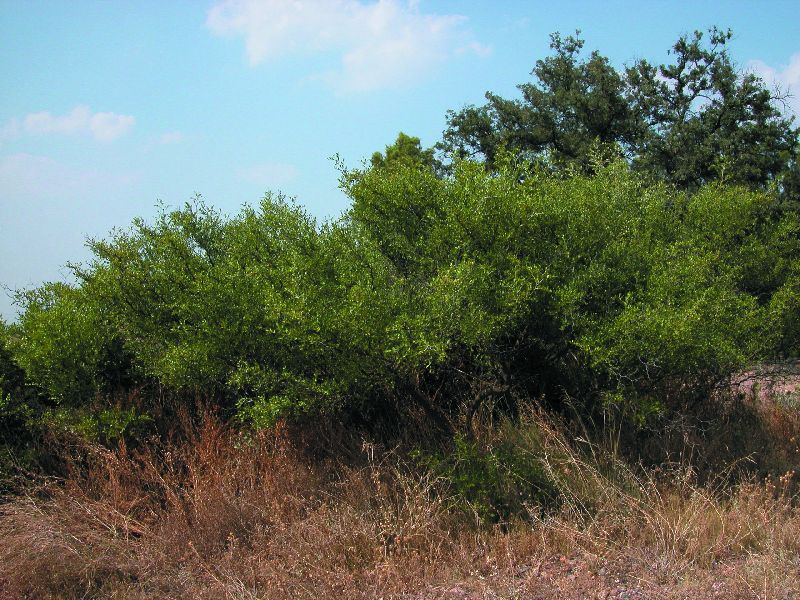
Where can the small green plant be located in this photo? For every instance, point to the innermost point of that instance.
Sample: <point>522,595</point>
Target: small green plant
<point>496,482</point>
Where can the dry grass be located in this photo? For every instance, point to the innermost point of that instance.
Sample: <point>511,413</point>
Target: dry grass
<point>670,534</point>
<point>224,515</point>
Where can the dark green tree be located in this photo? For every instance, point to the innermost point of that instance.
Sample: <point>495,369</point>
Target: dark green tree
<point>692,121</point>
<point>572,104</point>
<point>706,120</point>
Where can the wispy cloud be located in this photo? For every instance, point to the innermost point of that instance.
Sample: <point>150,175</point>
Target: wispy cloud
<point>388,43</point>
<point>785,78</point>
<point>171,137</point>
<point>268,174</point>
<point>102,126</point>
<point>24,176</point>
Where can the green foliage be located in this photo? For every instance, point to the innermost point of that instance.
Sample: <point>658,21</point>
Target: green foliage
<point>462,292</point>
<point>66,347</point>
<point>405,152</point>
<point>19,408</point>
<point>496,482</point>
<point>106,426</point>
<point>60,342</point>
<point>12,378</point>
<point>690,122</point>
<point>572,105</point>
<point>264,310</point>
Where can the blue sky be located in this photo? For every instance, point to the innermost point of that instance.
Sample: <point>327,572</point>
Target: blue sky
<point>109,108</point>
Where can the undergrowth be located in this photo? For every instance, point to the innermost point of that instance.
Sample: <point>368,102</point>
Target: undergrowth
<point>515,510</point>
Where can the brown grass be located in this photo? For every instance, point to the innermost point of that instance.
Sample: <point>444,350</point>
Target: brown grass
<point>224,514</point>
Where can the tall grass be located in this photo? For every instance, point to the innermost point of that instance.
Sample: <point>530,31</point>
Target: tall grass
<point>227,514</point>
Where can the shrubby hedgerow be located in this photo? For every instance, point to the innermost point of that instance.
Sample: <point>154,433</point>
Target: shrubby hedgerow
<point>451,293</point>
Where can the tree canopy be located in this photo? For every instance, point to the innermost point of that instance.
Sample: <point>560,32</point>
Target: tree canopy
<point>694,120</point>
<point>406,151</point>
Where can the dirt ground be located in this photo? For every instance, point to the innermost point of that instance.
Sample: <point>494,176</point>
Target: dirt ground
<point>563,577</point>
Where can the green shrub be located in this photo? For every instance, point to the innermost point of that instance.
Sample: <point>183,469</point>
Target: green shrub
<point>469,290</point>
<point>106,426</point>
<point>496,482</point>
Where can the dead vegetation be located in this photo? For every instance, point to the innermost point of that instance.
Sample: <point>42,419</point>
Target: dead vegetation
<point>225,514</point>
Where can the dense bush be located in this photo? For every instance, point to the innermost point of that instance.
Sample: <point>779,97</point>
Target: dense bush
<point>456,293</point>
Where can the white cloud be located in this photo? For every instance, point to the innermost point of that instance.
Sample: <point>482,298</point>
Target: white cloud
<point>785,79</point>
<point>107,126</point>
<point>268,174</point>
<point>102,126</point>
<point>387,43</point>
<point>171,137</point>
